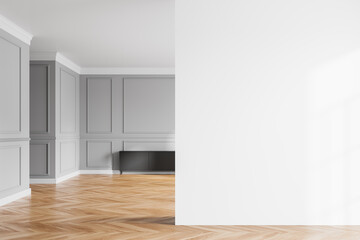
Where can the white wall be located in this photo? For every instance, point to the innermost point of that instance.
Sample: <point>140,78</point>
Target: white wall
<point>267,112</point>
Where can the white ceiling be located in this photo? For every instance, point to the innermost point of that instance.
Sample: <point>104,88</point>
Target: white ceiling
<point>100,33</point>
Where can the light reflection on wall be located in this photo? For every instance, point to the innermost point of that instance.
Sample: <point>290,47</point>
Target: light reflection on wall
<point>334,139</point>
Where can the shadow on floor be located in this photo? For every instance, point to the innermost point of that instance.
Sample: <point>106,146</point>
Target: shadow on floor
<point>169,220</point>
<point>156,220</point>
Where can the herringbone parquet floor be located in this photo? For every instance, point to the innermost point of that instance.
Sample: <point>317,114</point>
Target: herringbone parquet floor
<point>129,207</point>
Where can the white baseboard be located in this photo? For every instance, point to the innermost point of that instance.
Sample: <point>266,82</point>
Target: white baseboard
<point>66,177</point>
<point>99,171</point>
<point>73,174</point>
<point>14,197</point>
<point>53,180</point>
<point>42,181</point>
<point>151,173</point>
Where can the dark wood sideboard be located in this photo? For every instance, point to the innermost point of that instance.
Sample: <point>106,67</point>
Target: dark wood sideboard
<point>147,161</point>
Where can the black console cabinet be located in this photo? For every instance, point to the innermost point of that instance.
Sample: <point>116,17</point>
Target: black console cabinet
<point>147,161</point>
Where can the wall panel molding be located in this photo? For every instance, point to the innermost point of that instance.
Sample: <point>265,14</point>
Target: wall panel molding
<point>68,155</point>
<point>100,157</point>
<point>14,117</point>
<point>154,96</point>
<point>141,145</point>
<point>14,139</point>
<point>64,107</point>
<point>89,117</point>
<point>10,88</point>
<point>34,158</point>
<point>48,105</point>
<point>102,133</point>
<point>10,172</point>
<point>62,137</point>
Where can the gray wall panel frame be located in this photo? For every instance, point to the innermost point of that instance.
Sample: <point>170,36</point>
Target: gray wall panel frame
<point>34,87</point>
<point>21,165</point>
<point>22,92</point>
<point>65,160</point>
<point>10,88</point>
<point>67,136</point>
<point>50,133</point>
<point>62,71</point>
<point>88,106</point>
<point>16,164</point>
<point>141,145</point>
<point>126,92</point>
<point>88,155</point>
<point>50,158</point>
<point>55,137</point>
<point>43,156</point>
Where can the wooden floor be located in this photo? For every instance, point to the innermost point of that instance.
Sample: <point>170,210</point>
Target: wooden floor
<point>129,207</point>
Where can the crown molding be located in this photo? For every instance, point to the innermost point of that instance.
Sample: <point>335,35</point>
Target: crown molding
<point>55,56</point>
<point>128,71</point>
<point>68,63</point>
<point>58,57</point>
<point>15,30</point>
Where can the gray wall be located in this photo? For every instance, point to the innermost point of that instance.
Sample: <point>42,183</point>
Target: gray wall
<point>14,115</point>
<point>54,120</point>
<point>124,113</point>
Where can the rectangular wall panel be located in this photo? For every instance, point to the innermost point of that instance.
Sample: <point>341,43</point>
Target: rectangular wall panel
<point>10,88</point>
<point>99,154</point>
<point>99,105</point>
<point>14,115</point>
<point>68,155</point>
<point>68,102</point>
<point>39,159</point>
<point>10,167</point>
<point>149,146</point>
<point>149,105</point>
<point>39,99</point>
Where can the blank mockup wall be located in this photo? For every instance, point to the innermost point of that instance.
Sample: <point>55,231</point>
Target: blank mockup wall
<point>267,112</point>
<point>121,112</point>
<point>14,115</point>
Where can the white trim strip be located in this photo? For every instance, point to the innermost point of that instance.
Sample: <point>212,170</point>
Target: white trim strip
<point>99,171</point>
<point>14,197</point>
<point>128,71</point>
<point>42,181</point>
<point>68,176</point>
<point>16,31</point>
<point>68,63</point>
<point>55,56</point>
<point>53,180</point>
